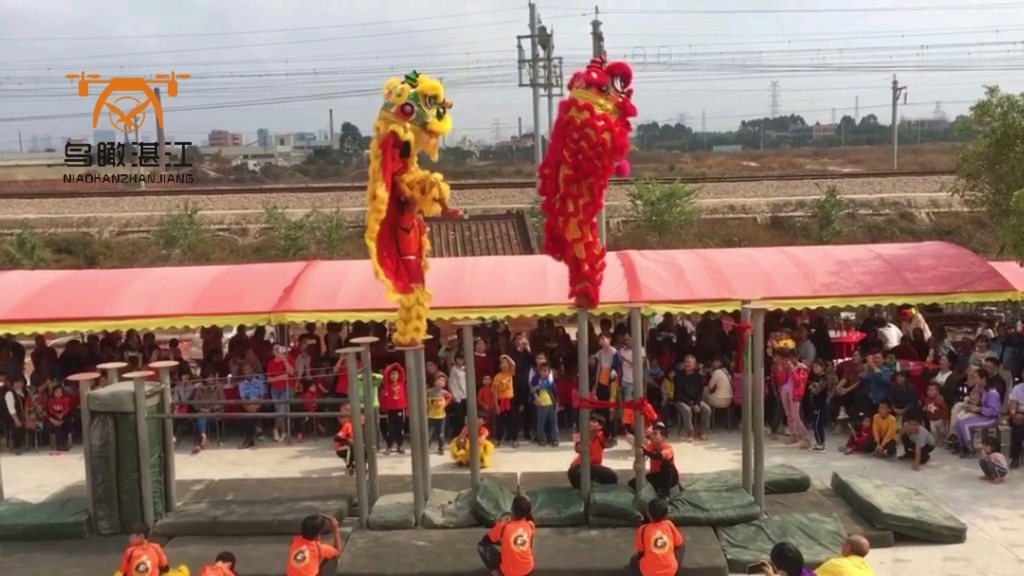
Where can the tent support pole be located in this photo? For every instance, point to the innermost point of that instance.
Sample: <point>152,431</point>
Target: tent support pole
<point>639,389</point>
<point>421,406</point>
<point>748,402</point>
<point>758,408</point>
<point>583,391</point>
<point>372,417</point>
<point>412,385</point>
<point>358,441</point>
<point>472,422</point>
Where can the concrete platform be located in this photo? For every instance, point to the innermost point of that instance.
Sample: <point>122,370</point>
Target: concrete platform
<point>186,490</point>
<point>559,552</point>
<point>280,516</point>
<point>88,557</point>
<point>814,501</point>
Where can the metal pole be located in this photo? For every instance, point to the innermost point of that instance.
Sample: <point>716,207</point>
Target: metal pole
<point>535,83</point>
<point>111,369</point>
<point>421,406</point>
<point>748,402</point>
<point>142,431</point>
<point>472,422</point>
<point>414,430</point>
<point>85,382</point>
<point>639,389</point>
<point>582,392</point>
<point>359,444</point>
<point>170,492</point>
<point>372,414</point>
<point>597,38</point>
<point>757,352</point>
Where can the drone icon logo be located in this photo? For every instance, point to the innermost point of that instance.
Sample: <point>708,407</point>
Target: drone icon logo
<point>127,113</point>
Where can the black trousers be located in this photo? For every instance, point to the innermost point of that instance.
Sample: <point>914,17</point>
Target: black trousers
<point>910,447</point>
<point>249,429</point>
<point>524,414</point>
<point>328,567</point>
<point>506,428</point>
<point>889,448</point>
<point>395,433</point>
<point>634,562</point>
<point>598,475</point>
<point>663,481</point>
<point>1016,440</point>
<point>456,414</point>
<point>489,553</point>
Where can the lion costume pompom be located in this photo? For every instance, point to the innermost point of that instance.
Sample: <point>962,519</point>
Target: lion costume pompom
<point>589,143</point>
<point>413,119</point>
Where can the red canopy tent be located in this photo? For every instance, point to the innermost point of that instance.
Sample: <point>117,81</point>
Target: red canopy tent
<point>674,280</point>
<point>1013,272</point>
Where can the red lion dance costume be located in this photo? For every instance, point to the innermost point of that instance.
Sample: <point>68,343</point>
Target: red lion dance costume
<point>589,143</point>
<point>413,119</point>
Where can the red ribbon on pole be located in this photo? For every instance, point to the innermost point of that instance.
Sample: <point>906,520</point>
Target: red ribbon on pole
<point>745,330</point>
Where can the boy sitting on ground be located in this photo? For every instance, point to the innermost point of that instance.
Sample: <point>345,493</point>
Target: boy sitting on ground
<point>883,432</point>
<point>660,546</point>
<point>599,473</point>
<point>858,437</point>
<point>992,462</point>
<point>142,557</point>
<point>917,441</point>
<point>507,549</point>
<point>223,565</point>
<point>308,556</point>
<point>663,475</point>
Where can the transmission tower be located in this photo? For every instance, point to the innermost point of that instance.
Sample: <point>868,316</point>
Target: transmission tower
<point>856,108</point>
<point>833,115</point>
<point>497,125</point>
<point>775,100</point>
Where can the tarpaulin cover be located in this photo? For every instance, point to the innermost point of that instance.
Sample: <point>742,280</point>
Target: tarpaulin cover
<point>613,506</point>
<point>1013,272</point>
<point>724,506</point>
<point>557,507</point>
<point>491,501</point>
<point>447,509</point>
<point>105,480</point>
<point>818,536</point>
<point>531,285</point>
<point>899,508</point>
<point>53,520</point>
<point>778,479</point>
<point>393,512</point>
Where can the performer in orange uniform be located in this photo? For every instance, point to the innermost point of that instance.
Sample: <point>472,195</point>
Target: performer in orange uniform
<point>223,565</point>
<point>308,556</point>
<point>507,549</point>
<point>142,557</point>
<point>663,475</point>
<point>660,546</point>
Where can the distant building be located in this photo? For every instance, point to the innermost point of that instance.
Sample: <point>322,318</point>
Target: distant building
<point>823,130</point>
<point>224,139</point>
<point>727,148</point>
<point>264,138</point>
<point>104,136</point>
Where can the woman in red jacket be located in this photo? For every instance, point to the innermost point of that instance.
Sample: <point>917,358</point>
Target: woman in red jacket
<point>394,402</point>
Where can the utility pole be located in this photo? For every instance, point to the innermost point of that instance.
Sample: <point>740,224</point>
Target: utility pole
<point>520,126</point>
<point>842,134</point>
<point>856,108</point>
<point>775,100</point>
<point>534,79</point>
<point>530,75</point>
<point>160,144</point>
<point>497,130</point>
<point>833,115</point>
<point>597,36</point>
<point>896,91</point>
<point>704,128</point>
<point>330,119</point>
<point>21,148</point>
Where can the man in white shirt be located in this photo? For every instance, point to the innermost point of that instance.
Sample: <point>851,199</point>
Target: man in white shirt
<point>890,335</point>
<point>458,389</point>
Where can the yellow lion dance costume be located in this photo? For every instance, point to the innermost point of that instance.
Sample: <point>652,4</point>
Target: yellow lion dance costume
<point>413,119</point>
<point>459,449</point>
<point>589,143</point>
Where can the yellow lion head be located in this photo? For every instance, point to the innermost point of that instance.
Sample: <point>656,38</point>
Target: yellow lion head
<point>415,107</point>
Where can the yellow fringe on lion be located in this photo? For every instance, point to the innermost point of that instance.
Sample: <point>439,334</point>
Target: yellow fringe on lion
<point>400,194</point>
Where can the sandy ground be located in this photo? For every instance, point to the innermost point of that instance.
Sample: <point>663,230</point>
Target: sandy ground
<point>995,539</point>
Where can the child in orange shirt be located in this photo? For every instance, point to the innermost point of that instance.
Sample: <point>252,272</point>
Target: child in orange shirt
<point>344,439</point>
<point>308,556</point>
<point>663,475</point>
<point>629,420</point>
<point>660,546</point>
<point>310,391</point>
<point>507,549</point>
<point>142,557</point>
<point>485,401</point>
<point>223,565</point>
<point>504,389</point>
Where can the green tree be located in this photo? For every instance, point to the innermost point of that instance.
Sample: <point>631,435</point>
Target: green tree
<point>350,143</point>
<point>26,250</point>
<point>183,233</point>
<point>990,168</point>
<point>660,210</point>
<point>289,238</point>
<point>827,215</point>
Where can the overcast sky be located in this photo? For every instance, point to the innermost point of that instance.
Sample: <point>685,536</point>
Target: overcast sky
<point>299,59</point>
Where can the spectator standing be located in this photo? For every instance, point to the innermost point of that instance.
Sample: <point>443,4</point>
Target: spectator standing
<point>44,357</point>
<point>805,349</point>
<point>483,362</point>
<point>545,398</point>
<point>626,355</point>
<point>395,403</point>
<point>1016,414</point>
<point>252,386</point>
<point>438,399</point>
<point>524,410</point>
<point>279,375</point>
<point>458,386</point>
<point>14,412</point>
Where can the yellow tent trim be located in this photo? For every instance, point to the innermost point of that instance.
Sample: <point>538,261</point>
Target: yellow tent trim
<point>838,302</point>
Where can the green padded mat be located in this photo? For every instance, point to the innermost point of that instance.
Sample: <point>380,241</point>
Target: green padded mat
<point>491,501</point>
<point>447,509</point>
<point>818,536</point>
<point>557,507</point>
<point>778,479</point>
<point>613,506</point>
<point>393,512</point>
<point>129,495</point>
<point>899,508</point>
<point>63,519</point>
<point>726,506</point>
<point>103,461</point>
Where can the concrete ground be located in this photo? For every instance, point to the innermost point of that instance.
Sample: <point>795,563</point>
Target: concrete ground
<point>995,538</point>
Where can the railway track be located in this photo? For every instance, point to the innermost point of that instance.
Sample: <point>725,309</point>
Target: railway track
<point>92,191</point>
